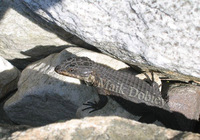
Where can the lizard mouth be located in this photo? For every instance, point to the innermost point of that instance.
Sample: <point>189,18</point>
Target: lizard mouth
<point>57,68</point>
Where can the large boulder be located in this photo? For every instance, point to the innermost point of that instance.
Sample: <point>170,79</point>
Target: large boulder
<point>113,128</point>
<point>24,40</point>
<point>162,34</point>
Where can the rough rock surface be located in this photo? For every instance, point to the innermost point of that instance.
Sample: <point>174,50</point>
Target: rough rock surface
<point>7,130</point>
<point>136,32</point>
<point>162,34</point>
<point>113,128</point>
<point>44,96</point>
<point>9,76</point>
<point>48,97</point>
<point>186,100</point>
<point>24,40</point>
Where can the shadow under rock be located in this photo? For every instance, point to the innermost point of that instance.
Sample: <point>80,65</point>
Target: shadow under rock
<point>173,120</point>
<point>4,6</point>
<point>39,110</point>
<point>4,119</point>
<point>37,53</point>
<point>149,114</point>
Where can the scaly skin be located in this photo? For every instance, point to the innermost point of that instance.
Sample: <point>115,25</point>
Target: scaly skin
<point>113,82</point>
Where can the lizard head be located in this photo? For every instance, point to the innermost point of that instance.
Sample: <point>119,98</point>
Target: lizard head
<point>77,67</point>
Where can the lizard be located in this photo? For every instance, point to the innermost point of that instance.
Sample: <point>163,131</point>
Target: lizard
<point>112,82</point>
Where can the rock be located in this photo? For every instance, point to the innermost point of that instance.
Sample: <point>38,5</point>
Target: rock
<point>185,99</point>
<point>44,96</point>
<point>48,97</point>
<point>101,128</point>
<point>30,39</point>
<point>9,76</point>
<point>163,35</point>
<point>7,130</point>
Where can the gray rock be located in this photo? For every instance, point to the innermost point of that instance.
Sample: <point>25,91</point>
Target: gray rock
<point>44,96</point>
<point>185,99</point>
<point>7,130</point>
<point>24,40</point>
<point>113,128</point>
<point>162,34</point>
<point>9,76</point>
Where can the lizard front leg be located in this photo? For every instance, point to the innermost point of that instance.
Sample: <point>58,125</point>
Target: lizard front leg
<point>103,100</point>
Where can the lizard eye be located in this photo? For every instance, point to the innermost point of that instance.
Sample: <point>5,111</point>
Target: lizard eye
<point>71,70</point>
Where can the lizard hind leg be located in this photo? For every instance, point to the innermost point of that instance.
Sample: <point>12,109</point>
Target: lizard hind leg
<point>154,82</point>
<point>149,80</point>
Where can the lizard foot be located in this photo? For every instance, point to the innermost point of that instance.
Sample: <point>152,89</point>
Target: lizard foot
<point>91,105</point>
<point>96,105</point>
<point>156,85</point>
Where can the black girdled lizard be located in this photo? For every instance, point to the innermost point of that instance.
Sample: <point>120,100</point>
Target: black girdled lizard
<point>112,82</point>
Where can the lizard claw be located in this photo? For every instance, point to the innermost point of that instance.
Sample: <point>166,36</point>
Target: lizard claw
<point>96,105</point>
<point>91,105</point>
